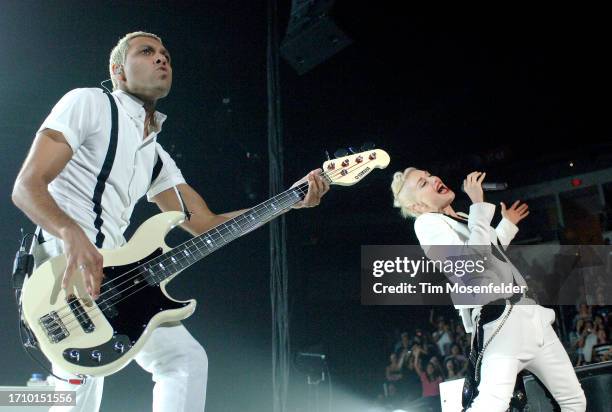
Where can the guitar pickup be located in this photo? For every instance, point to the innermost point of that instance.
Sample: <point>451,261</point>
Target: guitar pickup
<point>81,314</point>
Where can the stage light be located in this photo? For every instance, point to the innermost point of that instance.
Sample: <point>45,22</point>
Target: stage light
<point>576,182</point>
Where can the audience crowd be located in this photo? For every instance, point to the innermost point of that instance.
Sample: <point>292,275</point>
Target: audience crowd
<point>418,361</point>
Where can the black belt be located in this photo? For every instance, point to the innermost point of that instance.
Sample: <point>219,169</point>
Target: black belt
<point>502,301</point>
<point>494,309</point>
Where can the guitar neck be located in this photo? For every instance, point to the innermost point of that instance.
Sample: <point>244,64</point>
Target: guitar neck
<point>345,171</point>
<point>198,247</point>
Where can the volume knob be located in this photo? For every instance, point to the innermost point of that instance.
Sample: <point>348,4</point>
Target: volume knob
<point>119,347</point>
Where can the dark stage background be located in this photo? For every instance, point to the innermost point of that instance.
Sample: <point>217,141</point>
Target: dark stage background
<point>512,92</point>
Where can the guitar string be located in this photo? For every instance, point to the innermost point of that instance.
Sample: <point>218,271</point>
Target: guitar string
<point>165,260</point>
<point>86,312</point>
<point>78,317</point>
<point>289,193</point>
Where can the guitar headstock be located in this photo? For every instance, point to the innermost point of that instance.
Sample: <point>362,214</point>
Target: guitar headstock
<point>351,168</point>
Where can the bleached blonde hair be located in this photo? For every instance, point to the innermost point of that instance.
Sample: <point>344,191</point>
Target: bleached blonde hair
<point>119,52</point>
<point>399,178</point>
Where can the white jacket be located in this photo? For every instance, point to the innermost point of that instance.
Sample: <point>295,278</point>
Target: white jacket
<point>437,229</point>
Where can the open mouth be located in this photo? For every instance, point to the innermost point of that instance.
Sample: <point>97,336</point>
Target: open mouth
<point>442,189</point>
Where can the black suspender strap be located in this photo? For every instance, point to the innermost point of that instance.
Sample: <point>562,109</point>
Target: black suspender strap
<point>39,235</point>
<point>156,169</point>
<point>105,171</point>
<point>183,205</point>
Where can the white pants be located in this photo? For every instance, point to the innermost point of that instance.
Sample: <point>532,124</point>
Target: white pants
<point>526,341</point>
<point>179,367</point>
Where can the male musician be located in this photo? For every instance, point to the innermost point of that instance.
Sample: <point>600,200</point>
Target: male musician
<point>80,185</point>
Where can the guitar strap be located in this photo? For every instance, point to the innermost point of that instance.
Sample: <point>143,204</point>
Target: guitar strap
<point>488,314</point>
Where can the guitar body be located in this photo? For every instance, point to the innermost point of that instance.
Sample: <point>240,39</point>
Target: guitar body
<point>98,338</point>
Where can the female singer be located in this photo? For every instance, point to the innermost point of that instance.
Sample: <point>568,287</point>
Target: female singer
<point>516,335</point>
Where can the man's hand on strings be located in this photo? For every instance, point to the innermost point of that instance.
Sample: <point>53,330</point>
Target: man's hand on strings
<point>317,187</point>
<point>82,257</point>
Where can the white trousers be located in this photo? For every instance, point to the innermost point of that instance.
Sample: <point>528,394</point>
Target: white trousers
<point>526,341</point>
<point>179,366</point>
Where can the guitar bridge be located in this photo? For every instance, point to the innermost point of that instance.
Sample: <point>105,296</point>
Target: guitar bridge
<point>54,327</point>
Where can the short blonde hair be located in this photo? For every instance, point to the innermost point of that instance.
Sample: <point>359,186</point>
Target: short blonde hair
<point>119,52</point>
<point>399,178</point>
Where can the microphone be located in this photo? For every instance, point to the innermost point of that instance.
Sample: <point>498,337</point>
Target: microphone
<point>491,187</point>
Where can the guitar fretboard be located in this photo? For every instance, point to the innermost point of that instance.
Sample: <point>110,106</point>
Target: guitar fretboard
<point>191,251</point>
